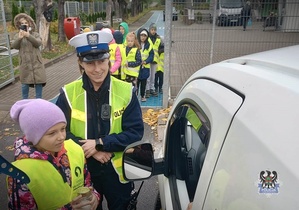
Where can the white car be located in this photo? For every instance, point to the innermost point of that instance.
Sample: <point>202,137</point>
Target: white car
<point>231,141</point>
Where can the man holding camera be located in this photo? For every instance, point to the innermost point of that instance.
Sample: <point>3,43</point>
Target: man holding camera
<point>28,41</point>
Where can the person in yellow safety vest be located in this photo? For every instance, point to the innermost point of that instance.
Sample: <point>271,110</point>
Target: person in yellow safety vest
<point>147,55</point>
<point>132,59</point>
<point>118,37</point>
<point>115,55</point>
<point>156,41</point>
<point>56,167</point>
<point>104,116</point>
<point>159,76</point>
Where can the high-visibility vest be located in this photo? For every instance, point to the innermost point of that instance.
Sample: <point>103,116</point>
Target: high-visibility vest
<point>160,66</point>
<point>112,48</point>
<point>122,49</point>
<point>120,95</point>
<point>131,57</point>
<point>46,183</point>
<point>156,47</point>
<point>145,54</point>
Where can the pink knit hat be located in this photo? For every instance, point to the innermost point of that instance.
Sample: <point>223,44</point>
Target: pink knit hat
<point>36,117</point>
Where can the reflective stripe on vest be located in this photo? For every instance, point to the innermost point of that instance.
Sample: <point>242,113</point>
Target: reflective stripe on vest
<point>119,98</point>
<point>47,185</point>
<point>131,57</point>
<point>160,66</point>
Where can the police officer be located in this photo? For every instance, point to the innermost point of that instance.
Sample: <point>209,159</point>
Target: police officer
<point>103,115</point>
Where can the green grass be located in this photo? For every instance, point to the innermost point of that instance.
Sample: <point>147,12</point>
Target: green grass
<point>59,48</point>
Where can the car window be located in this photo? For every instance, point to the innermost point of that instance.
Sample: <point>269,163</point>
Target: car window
<point>189,137</point>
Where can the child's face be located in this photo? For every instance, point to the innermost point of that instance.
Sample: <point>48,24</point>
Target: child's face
<point>122,30</point>
<point>53,139</point>
<point>143,37</point>
<point>153,31</point>
<point>23,21</point>
<point>130,41</point>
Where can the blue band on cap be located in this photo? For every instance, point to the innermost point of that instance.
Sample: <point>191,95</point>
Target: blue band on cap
<point>101,46</point>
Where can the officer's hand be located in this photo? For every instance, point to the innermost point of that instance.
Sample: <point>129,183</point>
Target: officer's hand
<point>88,147</point>
<point>103,157</point>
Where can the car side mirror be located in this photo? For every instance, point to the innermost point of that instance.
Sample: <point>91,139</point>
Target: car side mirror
<point>138,161</point>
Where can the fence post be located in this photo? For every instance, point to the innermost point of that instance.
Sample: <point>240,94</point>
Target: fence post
<point>167,53</point>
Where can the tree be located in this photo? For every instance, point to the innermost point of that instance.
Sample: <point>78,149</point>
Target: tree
<point>123,11</point>
<point>116,8</point>
<point>109,8</point>
<point>61,17</point>
<point>43,26</point>
<point>15,11</point>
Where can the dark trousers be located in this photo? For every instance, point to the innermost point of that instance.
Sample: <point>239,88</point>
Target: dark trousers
<point>106,182</point>
<point>159,80</point>
<point>141,84</point>
<point>245,20</point>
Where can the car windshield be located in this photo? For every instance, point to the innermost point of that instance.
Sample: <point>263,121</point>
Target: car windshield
<point>231,3</point>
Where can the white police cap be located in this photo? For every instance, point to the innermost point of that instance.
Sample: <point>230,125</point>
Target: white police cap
<point>92,45</point>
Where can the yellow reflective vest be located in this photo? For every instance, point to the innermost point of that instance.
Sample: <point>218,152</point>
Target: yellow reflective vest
<point>119,98</point>
<point>145,53</point>
<point>131,57</point>
<point>160,66</point>
<point>155,48</point>
<point>112,48</point>
<point>122,49</point>
<point>46,183</point>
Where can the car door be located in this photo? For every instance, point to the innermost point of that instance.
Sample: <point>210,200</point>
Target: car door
<point>195,133</point>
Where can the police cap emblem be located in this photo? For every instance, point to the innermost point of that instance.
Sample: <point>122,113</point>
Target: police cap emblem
<point>92,39</point>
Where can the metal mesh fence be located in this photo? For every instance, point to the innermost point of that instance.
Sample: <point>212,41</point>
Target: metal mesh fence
<point>206,33</point>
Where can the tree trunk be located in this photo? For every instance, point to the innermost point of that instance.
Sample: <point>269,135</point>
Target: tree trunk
<point>61,17</point>
<point>43,26</point>
<point>44,32</point>
<point>116,8</point>
<point>123,11</point>
<point>134,8</point>
<point>109,10</point>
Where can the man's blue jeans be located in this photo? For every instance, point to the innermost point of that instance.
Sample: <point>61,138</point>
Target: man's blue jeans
<point>38,91</point>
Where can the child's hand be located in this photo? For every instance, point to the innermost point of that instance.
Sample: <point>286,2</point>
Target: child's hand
<point>143,63</point>
<point>79,202</point>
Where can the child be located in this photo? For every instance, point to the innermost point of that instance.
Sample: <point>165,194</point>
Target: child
<point>55,166</point>
<point>132,59</point>
<point>118,37</point>
<point>28,42</point>
<point>147,55</point>
<point>115,56</point>
<point>124,29</point>
<point>160,70</point>
<point>156,41</point>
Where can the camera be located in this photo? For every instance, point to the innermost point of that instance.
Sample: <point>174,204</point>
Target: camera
<point>23,27</point>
